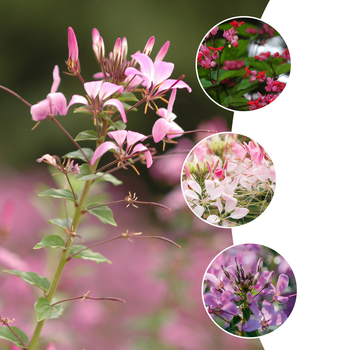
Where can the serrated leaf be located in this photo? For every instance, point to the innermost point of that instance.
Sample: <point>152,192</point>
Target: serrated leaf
<point>104,213</point>
<point>45,310</point>
<point>52,241</point>
<point>87,135</point>
<point>88,254</point>
<point>61,222</point>
<point>31,278</point>
<point>62,193</point>
<point>6,334</point>
<point>78,155</point>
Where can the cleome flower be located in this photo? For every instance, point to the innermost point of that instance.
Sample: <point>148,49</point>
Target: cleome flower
<point>98,92</point>
<point>133,148</point>
<point>54,103</point>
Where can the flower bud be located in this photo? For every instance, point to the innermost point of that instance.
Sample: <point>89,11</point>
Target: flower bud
<point>225,271</point>
<point>259,265</point>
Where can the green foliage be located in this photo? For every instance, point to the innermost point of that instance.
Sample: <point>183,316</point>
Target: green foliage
<point>6,334</point>
<point>52,241</point>
<point>86,175</point>
<point>45,310</point>
<point>88,135</point>
<point>88,254</point>
<point>104,213</point>
<point>65,223</point>
<point>79,155</point>
<point>59,193</point>
<point>32,278</point>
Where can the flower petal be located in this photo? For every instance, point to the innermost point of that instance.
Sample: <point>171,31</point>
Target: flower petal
<point>174,84</point>
<point>251,325</point>
<point>108,89</point>
<point>282,283</point>
<point>116,103</point>
<point>160,128</point>
<point>40,110</point>
<point>59,102</point>
<point>199,210</point>
<point>102,149</point>
<point>230,203</point>
<point>56,79</point>
<point>119,136</point>
<point>239,213</point>
<point>213,219</point>
<point>195,186</point>
<point>162,71</point>
<point>93,88</point>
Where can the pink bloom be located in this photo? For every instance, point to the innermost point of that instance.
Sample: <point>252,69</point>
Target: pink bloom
<point>73,64</point>
<point>154,76</point>
<point>230,35</point>
<point>166,126</point>
<point>132,147</point>
<point>282,285</point>
<point>55,102</point>
<point>263,56</point>
<point>99,91</point>
<point>69,168</point>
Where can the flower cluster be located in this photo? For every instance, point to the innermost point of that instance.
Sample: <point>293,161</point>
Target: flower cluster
<point>234,76</point>
<point>228,181</point>
<point>243,298</point>
<point>120,87</point>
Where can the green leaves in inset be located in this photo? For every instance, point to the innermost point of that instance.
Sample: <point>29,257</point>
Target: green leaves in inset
<point>45,310</point>
<point>232,73</point>
<point>234,321</point>
<point>87,254</point>
<point>6,334</point>
<point>103,212</point>
<point>59,193</point>
<point>31,278</point>
<point>52,241</point>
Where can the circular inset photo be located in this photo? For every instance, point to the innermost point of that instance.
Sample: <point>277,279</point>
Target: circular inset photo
<point>243,64</point>
<point>228,180</point>
<point>249,290</point>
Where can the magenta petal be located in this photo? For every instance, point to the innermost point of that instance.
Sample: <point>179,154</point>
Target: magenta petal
<point>174,84</point>
<point>251,325</point>
<point>143,149</point>
<point>162,71</point>
<point>282,283</point>
<point>116,103</point>
<point>132,137</point>
<point>231,308</point>
<point>162,52</point>
<point>72,45</point>
<point>40,110</point>
<point>159,130</point>
<point>93,88</point>
<point>146,67</point>
<point>119,136</point>
<point>174,131</point>
<point>102,149</point>
<point>77,99</point>
<point>254,307</point>
<point>58,101</point>
<point>107,89</point>
<point>56,79</point>
<point>210,300</point>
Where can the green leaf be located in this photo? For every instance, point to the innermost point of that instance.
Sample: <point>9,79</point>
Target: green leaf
<point>45,310</point>
<point>31,278</point>
<point>234,321</point>
<point>87,135</point>
<point>78,155</point>
<point>104,213</point>
<point>253,334</point>
<point>282,69</point>
<point>52,241</point>
<point>88,254</point>
<point>127,96</point>
<point>246,313</point>
<point>6,334</point>
<point>85,175</point>
<point>240,103</point>
<point>120,125</point>
<point>232,74</point>
<point>61,222</point>
<point>58,193</point>
<point>206,83</point>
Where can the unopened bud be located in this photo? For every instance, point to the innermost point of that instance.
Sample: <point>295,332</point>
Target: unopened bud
<point>225,271</point>
<point>256,278</point>
<point>259,265</point>
<point>249,298</point>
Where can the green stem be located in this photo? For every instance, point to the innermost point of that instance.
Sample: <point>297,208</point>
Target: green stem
<point>63,260</point>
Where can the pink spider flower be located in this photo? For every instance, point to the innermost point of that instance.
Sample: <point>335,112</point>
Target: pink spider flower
<point>155,77</point>
<point>98,92</point>
<point>166,126</point>
<point>55,102</point>
<point>133,148</point>
<point>73,63</point>
<point>281,286</point>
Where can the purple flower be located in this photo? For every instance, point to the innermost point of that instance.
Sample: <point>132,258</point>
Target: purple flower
<point>99,91</point>
<point>282,284</point>
<point>132,147</point>
<point>55,101</point>
<point>166,126</point>
<point>265,318</point>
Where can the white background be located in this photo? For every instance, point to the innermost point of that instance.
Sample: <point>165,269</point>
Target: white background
<point>305,132</point>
